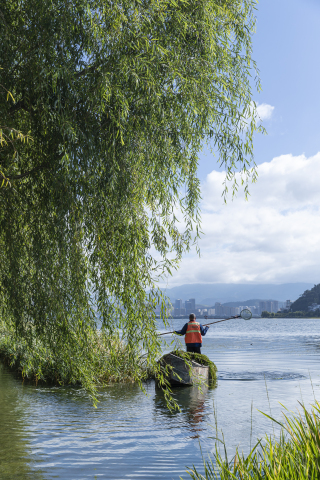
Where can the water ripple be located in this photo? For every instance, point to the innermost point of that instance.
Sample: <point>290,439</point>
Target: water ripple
<point>48,433</point>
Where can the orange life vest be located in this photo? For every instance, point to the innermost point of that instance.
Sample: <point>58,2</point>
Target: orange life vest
<point>193,333</point>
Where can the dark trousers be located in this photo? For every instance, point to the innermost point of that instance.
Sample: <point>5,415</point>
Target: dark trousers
<point>192,349</point>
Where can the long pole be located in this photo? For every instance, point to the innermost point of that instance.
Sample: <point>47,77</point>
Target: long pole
<point>224,320</point>
<point>206,325</point>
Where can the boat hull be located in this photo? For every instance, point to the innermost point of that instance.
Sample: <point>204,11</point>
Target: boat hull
<point>180,373</point>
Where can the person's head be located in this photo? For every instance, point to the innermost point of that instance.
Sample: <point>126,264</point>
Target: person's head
<point>192,317</point>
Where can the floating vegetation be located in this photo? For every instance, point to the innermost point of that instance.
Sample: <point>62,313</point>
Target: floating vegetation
<point>202,360</point>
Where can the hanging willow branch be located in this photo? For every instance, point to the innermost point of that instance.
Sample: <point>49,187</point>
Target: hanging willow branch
<point>118,97</point>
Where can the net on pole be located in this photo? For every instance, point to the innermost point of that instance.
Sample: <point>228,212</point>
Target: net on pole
<point>246,314</point>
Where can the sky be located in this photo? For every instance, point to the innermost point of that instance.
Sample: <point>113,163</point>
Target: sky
<point>274,237</point>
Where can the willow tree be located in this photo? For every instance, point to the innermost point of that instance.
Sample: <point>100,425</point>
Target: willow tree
<point>116,99</point>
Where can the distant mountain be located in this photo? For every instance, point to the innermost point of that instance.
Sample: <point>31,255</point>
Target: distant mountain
<point>307,298</point>
<point>253,301</point>
<point>209,293</point>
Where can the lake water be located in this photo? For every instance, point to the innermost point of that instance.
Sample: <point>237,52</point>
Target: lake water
<point>48,433</point>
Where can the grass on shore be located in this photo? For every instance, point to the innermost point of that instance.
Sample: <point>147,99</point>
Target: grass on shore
<point>295,456</point>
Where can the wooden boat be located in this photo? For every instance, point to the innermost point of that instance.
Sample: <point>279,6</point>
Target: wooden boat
<point>181,373</point>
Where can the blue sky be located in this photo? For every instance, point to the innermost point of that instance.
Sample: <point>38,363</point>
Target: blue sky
<point>275,236</point>
<point>286,48</point>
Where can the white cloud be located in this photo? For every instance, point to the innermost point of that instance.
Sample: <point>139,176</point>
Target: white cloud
<point>265,111</point>
<point>273,237</point>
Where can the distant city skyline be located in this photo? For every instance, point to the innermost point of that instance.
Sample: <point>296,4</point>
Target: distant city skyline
<point>183,308</point>
<point>209,294</point>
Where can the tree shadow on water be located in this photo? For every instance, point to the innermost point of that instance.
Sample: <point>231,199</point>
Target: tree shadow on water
<point>16,459</point>
<point>194,408</point>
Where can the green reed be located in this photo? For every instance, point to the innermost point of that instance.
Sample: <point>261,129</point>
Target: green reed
<point>295,455</point>
<point>108,358</point>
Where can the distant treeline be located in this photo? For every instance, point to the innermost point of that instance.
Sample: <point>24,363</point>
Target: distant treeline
<point>289,314</point>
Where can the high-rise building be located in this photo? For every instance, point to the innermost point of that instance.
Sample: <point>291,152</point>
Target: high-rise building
<point>178,303</point>
<point>187,307</point>
<point>271,306</point>
<point>218,308</point>
<point>288,304</point>
<point>226,310</point>
<point>262,307</point>
<point>193,304</point>
<point>190,306</point>
<point>178,307</point>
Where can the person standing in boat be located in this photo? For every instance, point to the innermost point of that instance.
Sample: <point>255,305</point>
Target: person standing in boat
<point>193,332</point>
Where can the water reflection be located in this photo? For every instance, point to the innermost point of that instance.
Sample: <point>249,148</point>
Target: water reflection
<point>261,365</point>
<point>194,407</point>
<point>15,448</point>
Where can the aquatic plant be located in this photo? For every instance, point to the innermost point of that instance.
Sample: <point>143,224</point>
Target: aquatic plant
<point>295,455</point>
<point>109,359</point>
<point>199,358</point>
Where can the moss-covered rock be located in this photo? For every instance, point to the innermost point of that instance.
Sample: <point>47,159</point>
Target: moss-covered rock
<point>202,360</point>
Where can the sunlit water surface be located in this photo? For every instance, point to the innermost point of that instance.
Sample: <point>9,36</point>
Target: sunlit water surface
<point>56,433</point>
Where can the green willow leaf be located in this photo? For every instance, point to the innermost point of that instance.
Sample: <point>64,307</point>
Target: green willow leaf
<point>119,98</point>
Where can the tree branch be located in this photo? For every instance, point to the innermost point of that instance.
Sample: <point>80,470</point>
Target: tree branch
<point>26,174</point>
<point>20,105</point>
<point>85,71</point>
<point>33,170</point>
